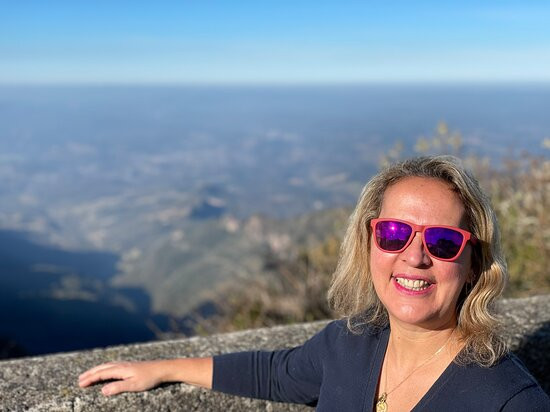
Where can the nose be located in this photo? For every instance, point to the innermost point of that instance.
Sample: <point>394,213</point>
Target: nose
<point>415,254</point>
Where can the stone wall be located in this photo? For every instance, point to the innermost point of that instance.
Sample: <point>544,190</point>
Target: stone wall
<point>49,383</point>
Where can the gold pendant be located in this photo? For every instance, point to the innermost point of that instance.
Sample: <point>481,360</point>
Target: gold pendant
<point>381,405</point>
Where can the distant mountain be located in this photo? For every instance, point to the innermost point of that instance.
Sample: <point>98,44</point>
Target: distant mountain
<point>184,270</point>
<point>53,300</point>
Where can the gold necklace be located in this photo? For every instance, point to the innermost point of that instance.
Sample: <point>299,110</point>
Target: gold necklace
<point>381,403</point>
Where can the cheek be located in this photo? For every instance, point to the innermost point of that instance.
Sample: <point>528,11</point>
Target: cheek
<point>381,264</point>
<point>374,261</point>
<point>455,275</point>
<point>451,277</point>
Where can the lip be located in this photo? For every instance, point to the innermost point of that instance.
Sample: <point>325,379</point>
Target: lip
<point>410,292</point>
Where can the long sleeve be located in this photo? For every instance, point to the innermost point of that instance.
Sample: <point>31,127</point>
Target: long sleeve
<point>339,370</point>
<point>291,375</point>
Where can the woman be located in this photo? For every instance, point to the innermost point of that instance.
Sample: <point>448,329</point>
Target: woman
<point>419,272</point>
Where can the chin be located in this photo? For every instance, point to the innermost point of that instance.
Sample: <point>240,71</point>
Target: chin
<point>409,315</point>
<point>414,316</point>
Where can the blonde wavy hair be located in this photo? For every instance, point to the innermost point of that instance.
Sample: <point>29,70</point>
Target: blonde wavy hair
<point>352,293</point>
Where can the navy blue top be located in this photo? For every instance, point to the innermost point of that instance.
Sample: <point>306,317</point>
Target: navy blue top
<point>337,370</point>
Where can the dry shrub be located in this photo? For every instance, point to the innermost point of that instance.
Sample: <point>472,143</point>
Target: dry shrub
<point>520,192</point>
<point>293,291</point>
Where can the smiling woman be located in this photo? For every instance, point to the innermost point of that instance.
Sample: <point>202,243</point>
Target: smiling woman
<point>429,191</point>
<point>418,330</point>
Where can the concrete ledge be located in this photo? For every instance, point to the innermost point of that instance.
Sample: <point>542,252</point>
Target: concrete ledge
<point>48,383</point>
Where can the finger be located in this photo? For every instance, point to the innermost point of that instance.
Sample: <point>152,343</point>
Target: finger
<point>87,377</point>
<point>112,372</point>
<point>98,368</point>
<point>115,388</point>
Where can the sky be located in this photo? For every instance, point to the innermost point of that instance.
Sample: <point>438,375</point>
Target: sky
<point>279,42</point>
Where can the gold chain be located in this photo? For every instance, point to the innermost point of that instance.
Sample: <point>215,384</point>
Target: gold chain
<point>381,403</point>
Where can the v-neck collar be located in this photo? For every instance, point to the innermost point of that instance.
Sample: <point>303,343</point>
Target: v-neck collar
<point>376,370</point>
<point>438,385</point>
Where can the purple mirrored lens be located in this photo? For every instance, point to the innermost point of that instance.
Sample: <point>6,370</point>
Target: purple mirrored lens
<point>443,242</point>
<point>392,236</point>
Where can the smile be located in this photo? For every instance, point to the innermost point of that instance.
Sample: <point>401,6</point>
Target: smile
<point>413,284</point>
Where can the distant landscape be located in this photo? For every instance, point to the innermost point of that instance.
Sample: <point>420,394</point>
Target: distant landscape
<point>125,208</point>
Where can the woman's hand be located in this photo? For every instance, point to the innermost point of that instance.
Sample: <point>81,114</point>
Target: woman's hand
<point>141,376</point>
<point>131,376</point>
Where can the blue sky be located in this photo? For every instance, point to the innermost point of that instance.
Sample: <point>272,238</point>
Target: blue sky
<point>273,41</point>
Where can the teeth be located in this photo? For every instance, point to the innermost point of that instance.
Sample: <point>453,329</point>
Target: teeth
<point>412,284</point>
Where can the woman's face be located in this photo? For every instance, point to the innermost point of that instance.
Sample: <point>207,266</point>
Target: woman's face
<point>423,201</point>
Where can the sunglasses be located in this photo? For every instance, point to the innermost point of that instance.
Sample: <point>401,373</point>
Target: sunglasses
<point>441,242</point>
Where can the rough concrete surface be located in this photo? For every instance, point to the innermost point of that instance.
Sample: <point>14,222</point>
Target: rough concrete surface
<point>49,383</point>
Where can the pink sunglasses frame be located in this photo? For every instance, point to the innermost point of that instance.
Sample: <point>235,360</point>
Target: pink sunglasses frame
<point>467,236</point>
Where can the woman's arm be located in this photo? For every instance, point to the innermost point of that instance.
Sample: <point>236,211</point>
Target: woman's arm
<point>141,376</point>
